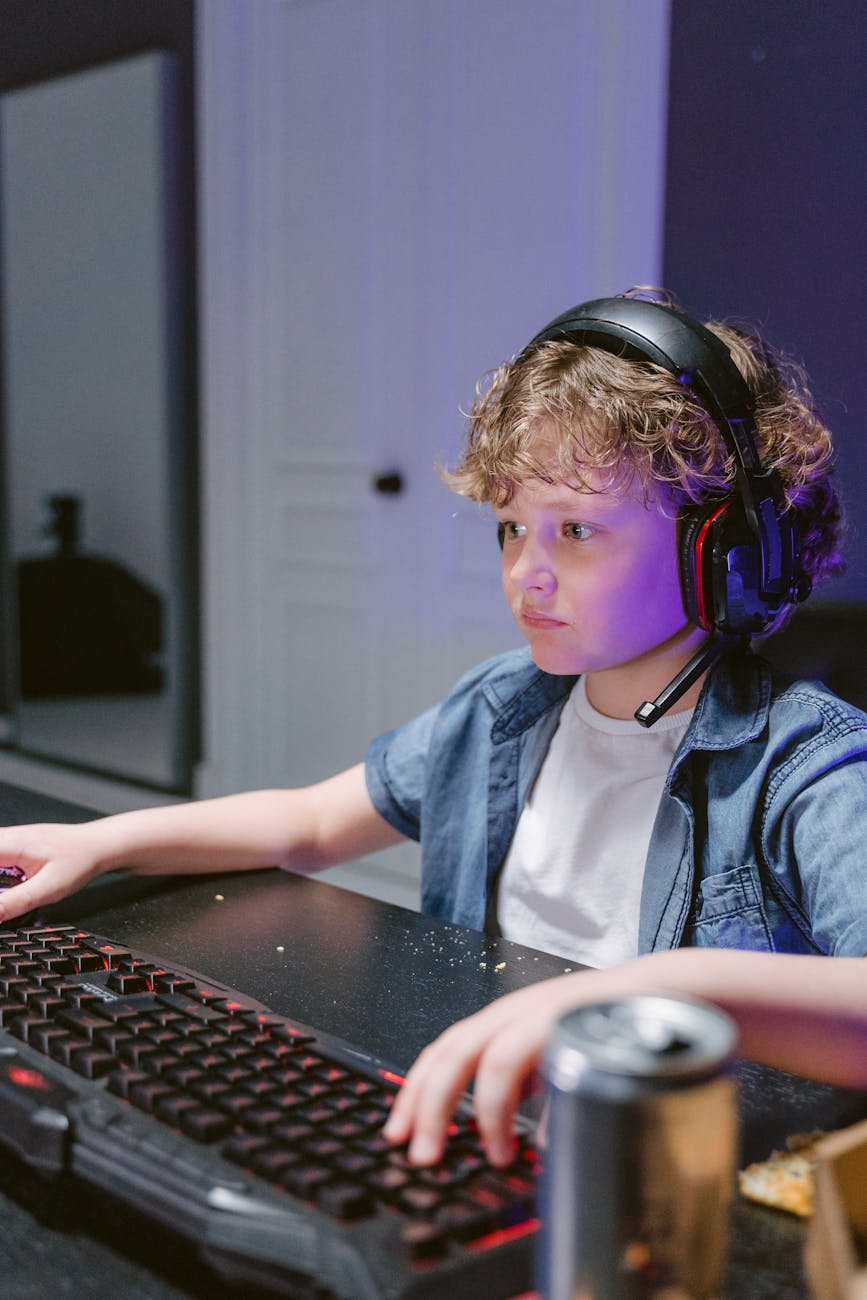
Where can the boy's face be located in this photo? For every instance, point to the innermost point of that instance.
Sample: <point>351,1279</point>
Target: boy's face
<point>592,582</point>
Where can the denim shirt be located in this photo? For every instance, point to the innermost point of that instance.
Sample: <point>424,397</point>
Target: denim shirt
<point>758,841</point>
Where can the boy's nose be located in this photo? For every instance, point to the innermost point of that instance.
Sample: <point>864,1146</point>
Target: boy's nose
<point>533,570</point>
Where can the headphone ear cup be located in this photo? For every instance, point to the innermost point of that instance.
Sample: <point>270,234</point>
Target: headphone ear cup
<point>720,569</point>
<point>697,536</point>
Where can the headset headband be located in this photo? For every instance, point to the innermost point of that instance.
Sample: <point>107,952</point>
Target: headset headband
<point>642,330</point>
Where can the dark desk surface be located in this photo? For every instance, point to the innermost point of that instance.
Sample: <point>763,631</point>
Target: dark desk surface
<point>360,969</point>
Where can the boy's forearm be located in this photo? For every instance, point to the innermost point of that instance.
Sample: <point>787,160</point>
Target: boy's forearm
<point>800,1013</point>
<point>307,829</point>
<point>235,833</point>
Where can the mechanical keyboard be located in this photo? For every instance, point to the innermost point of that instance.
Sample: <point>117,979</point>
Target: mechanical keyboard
<point>256,1138</point>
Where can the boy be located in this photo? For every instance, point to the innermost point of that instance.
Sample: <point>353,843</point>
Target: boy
<point>655,510</point>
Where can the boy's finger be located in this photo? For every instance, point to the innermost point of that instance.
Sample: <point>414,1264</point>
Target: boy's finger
<point>423,1108</point>
<point>500,1079</point>
<point>438,1094</point>
<point>398,1126</point>
<point>18,899</point>
<point>401,1122</point>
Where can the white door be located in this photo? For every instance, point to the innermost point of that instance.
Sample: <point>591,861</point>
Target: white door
<point>395,196</point>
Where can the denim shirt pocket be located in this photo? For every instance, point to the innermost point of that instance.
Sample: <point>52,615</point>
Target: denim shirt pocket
<point>729,913</point>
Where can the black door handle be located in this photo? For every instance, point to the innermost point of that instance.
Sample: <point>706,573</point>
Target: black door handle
<point>389,484</point>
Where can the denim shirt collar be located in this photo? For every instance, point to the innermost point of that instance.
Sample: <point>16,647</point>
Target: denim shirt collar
<point>516,710</point>
<point>732,709</point>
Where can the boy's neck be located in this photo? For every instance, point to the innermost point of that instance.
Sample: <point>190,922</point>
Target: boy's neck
<point>617,692</point>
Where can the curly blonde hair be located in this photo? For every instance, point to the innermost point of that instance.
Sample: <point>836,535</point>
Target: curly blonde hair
<point>632,422</point>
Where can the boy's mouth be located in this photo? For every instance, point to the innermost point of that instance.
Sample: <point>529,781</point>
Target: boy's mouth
<point>535,618</point>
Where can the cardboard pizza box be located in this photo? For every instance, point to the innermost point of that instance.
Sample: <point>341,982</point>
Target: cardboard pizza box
<point>835,1252</point>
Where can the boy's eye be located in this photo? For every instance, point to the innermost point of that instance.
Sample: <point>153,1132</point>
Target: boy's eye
<point>578,532</point>
<point>508,530</point>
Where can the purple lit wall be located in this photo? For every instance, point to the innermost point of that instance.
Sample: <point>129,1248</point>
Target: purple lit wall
<point>765,211</point>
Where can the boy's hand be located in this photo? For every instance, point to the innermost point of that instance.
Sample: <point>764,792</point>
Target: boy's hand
<point>54,860</point>
<point>501,1046</point>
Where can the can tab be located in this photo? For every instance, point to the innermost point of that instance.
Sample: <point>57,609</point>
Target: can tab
<point>664,1040</point>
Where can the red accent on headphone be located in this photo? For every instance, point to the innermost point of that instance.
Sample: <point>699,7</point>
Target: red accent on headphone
<point>704,618</point>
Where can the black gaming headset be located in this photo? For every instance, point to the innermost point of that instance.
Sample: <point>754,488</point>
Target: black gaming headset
<point>739,558</point>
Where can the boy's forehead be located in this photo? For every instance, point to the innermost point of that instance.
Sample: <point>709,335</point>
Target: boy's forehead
<point>594,492</point>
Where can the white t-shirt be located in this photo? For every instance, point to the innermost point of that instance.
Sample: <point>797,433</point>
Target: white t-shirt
<point>571,882</point>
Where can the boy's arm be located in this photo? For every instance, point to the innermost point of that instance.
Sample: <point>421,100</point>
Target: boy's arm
<point>799,1013</point>
<point>307,829</point>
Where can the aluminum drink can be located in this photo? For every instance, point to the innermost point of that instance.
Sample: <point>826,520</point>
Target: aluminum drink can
<point>641,1144</point>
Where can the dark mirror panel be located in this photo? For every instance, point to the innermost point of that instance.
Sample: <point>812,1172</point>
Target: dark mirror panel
<point>99,611</point>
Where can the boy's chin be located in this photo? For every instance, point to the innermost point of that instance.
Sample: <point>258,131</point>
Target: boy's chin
<point>557,664</point>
